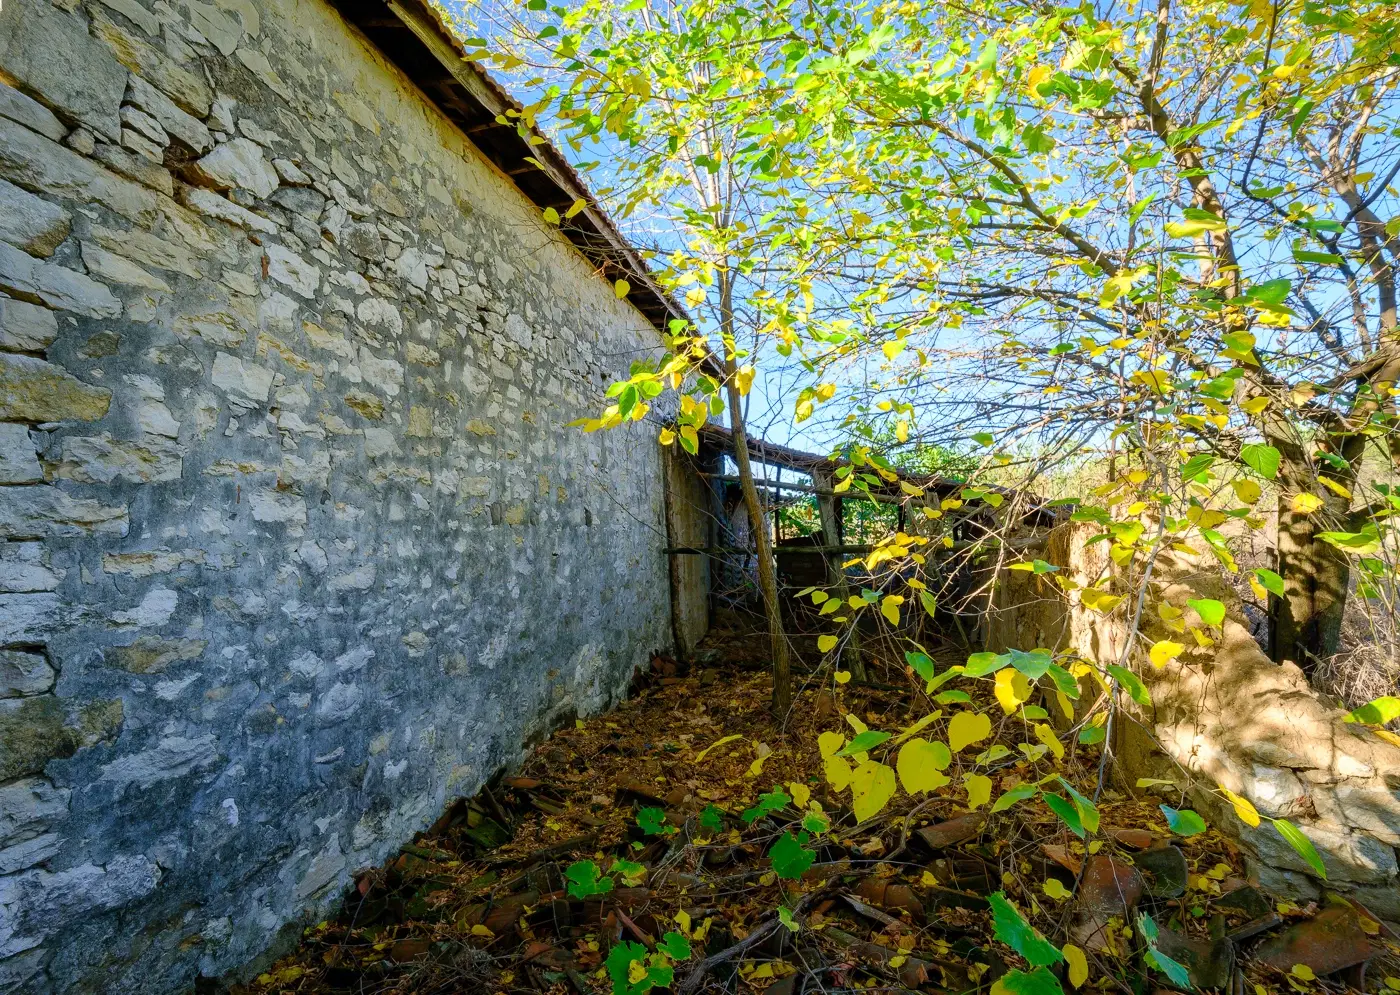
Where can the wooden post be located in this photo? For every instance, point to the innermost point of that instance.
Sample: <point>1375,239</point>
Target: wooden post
<point>829,508</point>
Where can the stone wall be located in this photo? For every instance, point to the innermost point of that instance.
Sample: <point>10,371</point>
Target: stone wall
<point>1226,715</point>
<point>296,544</point>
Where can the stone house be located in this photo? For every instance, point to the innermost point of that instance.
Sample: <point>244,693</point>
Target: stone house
<point>297,544</point>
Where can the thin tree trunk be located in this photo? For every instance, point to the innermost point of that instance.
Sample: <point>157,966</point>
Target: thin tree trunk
<point>767,576</point>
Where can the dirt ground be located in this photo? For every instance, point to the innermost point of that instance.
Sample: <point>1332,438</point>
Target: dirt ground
<point>656,808</point>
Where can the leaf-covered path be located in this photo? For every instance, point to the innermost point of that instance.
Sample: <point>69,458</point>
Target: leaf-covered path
<point>684,843</point>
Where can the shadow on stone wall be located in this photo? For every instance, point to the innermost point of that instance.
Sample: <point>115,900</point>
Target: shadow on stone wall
<point>1226,714</point>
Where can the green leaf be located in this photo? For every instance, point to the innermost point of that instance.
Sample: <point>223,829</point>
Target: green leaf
<point>1362,543</point>
<point>712,818</point>
<point>1131,683</point>
<point>1019,935</point>
<point>652,820</point>
<point>1037,982</point>
<point>1065,809</point>
<point>982,664</point>
<point>1269,581</point>
<point>864,742</point>
<point>675,946</point>
<point>1212,612</point>
<point>1272,292</point>
<point>1377,713</point>
<point>1088,811</point>
<point>785,917</point>
<point>774,801</point>
<point>1263,460</point>
<point>1017,794</point>
<point>921,663</point>
<point>790,861</point>
<point>630,871</point>
<point>1301,844</point>
<point>1153,957</point>
<point>983,438</point>
<point>1064,681</point>
<point>1033,664</point>
<point>1183,822</point>
<point>584,880</point>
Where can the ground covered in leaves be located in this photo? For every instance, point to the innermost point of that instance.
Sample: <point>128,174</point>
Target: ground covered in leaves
<point>686,843</point>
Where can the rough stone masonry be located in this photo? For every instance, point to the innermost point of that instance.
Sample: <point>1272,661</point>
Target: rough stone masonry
<point>297,545</point>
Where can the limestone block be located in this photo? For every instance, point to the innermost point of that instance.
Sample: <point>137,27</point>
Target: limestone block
<point>207,202</point>
<point>102,459</point>
<point>36,902</point>
<point>242,381</point>
<point>30,808</point>
<point>24,569</point>
<point>135,119</point>
<point>290,173</point>
<point>1276,792</point>
<point>24,674</point>
<point>152,654</point>
<point>113,268</point>
<point>30,113</point>
<point>187,87</point>
<point>19,461</point>
<point>134,12</point>
<point>31,161</point>
<point>365,241</point>
<point>36,391</point>
<point>1373,809</point>
<point>29,853</point>
<point>285,266</point>
<point>172,757</point>
<point>31,223</point>
<point>237,164</point>
<point>43,511</point>
<point>51,54</point>
<point>277,506</point>
<point>302,201</point>
<point>26,327</point>
<point>144,168</point>
<point>32,732</point>
<point>172,121</point>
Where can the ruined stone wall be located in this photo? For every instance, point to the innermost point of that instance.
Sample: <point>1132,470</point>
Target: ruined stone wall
<point>1227,715</point>
<point>296,544</point>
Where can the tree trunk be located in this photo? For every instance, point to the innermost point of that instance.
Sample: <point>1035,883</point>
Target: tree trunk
<point>1306,623</point>
<point>767,575</point>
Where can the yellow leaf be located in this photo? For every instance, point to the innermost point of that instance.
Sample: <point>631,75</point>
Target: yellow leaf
<point>551,215</point>
<point>1066,704</point>
<point>1334,487</point>
<point>801,794</point>
<point>967,728</point>
<point>756,767</point>
<point>1305,504</point>
<point>837,771</point>
<point>889,607</point>
<point>829,743</point>
<point>1246,490</point>
<point>1303,973</point>
<point>666,437</point>
<point>842,676</point>
<point>872,787</point>
<point>621,288</point>
<point>1012,689</point>
<point>1047,736</point>
<point>1164,652</point>
<point>729,739</point>
<point>683,921</point>
<point>927,880</point>
<point>979,790</point>
<point>1056,889</point>
<point>826,643</point>
<point>892,348</point>
<point>920,764</point>
<point>743,379</point>
<point>575,207</point>
<point>1078,964</point>
<point>480,930</point>
<point>1246,811</point>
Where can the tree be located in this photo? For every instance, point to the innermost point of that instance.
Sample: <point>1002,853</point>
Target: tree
<point>1158,232</point>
